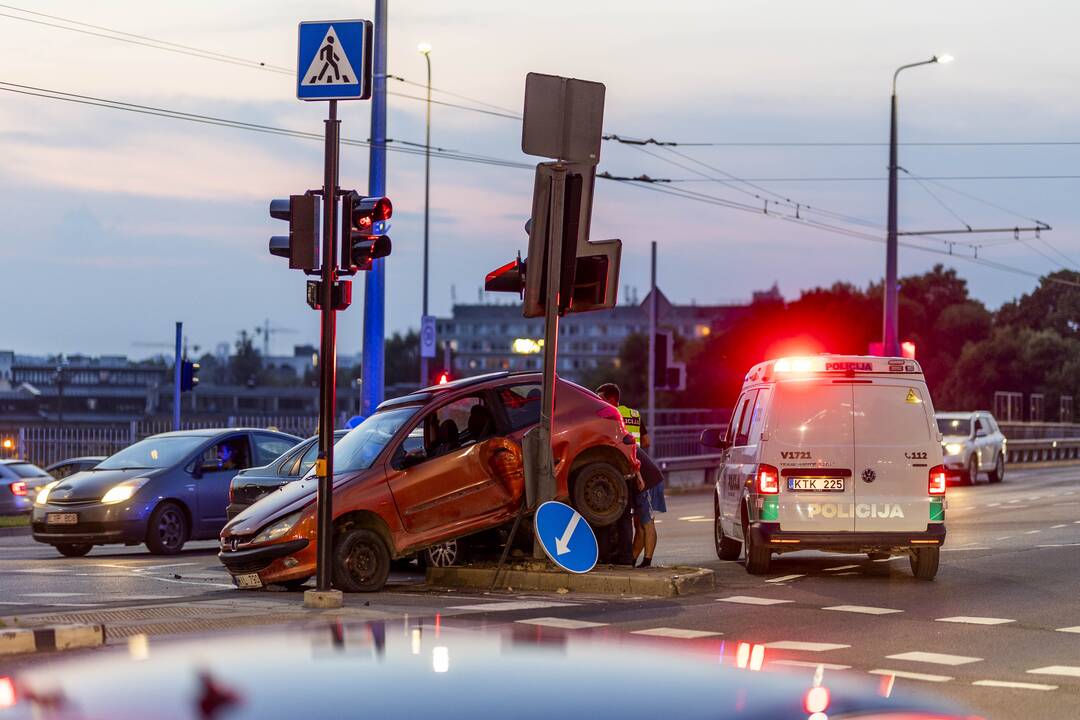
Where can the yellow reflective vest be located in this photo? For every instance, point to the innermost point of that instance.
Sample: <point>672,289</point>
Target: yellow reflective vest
<point>632,421</point>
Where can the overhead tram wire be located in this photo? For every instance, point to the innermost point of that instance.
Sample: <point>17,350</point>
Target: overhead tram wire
<point>838,143</point>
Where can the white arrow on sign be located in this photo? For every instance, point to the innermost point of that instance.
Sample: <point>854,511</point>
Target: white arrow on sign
<point>562,545</point>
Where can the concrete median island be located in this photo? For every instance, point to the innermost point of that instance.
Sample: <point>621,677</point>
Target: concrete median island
<point>603,580</point>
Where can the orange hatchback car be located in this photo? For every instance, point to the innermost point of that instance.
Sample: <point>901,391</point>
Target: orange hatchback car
<point>439,464</point>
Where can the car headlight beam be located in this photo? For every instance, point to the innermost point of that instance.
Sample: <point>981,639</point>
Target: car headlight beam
<point>43,493</point>
<point>276,529</point>
<point>954,448</point>
<point>124,491</point>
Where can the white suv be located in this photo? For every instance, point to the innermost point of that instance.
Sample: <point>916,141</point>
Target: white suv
<point>972,443</point>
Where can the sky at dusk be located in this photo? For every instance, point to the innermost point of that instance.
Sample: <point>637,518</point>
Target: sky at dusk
<point>117,224</point>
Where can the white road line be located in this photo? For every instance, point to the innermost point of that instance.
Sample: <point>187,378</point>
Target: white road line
<point>840,567</point>
<point>1005,537</point>
<point>675,633</point>
<point>157,567</point>
<point>864,609</point>
<point>55,595</point>
<point>994,505</point>
<point>748,600</point>
<point>955,549</point>
<point>1073,629</point>
<point>845,573</point>
<point>692,517</point>
<point>974,620</point>
<point>1066,670</point>
<point>784,578</point>
<point>1076,522</point>
<point>912,675</point>
<point>1013,502</point>
<point>1050,545</point>
<point>1016,685</point>
<point>804,646</point>
<point>1033,532</point>
<point>1055,527</point>
<point>512,605</point>
<point>561,623</point>
<point>971,507</point>
<point>708,520</point>
<point>42,571</point>
<point>809,664</point>
<point>935,658</point>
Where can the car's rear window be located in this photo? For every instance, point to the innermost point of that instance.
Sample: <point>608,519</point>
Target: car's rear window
<point>890,415</point>
<point>26,470</point>
<point>954,426</point>
<point>810,413</point>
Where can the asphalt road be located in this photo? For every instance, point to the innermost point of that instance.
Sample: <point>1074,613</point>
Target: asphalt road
<point>998,630</point>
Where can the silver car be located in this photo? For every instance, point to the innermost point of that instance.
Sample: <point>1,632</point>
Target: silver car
<point>972,443</point>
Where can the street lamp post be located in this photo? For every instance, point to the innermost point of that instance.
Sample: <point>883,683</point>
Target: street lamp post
<point>425,50</point>
<point>891,330</point>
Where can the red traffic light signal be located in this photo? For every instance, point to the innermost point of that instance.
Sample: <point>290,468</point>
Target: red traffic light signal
<point>444,377</point>
<point>364,222</point>
<point>508,278</point>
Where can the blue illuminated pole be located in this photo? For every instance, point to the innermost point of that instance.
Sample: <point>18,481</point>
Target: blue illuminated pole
<point>176,378</point>
<point>371,393</point>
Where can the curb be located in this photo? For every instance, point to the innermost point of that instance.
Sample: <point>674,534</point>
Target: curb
<point>14,531</point>
<point>56,637</point>
<point>668,582</point>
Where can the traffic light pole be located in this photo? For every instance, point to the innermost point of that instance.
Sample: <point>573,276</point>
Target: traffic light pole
<point>327,356</point>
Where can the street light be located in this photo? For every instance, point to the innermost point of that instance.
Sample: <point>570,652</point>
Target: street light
<point>425,50</point>
<point>891,329</point>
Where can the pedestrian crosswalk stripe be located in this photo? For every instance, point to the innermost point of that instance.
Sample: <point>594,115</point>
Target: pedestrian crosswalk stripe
<point>1016,685</point>
<point>1073,629</point>
<point>840,567</point>
<point>912,675</point>
<point>561,623</point>
<point>675,633</point>
<point>1055,527</point>
<point>804,646</point>
<point>975,620</point>
<point>1033,532</point>
<point>935,658</point>
<point>864,609</point>
<point>692,517</point>
<point>810,664</point>
<point>1066,670</point>
<point>784,578</point>
<point>511,605</point>
<point>748,600</point>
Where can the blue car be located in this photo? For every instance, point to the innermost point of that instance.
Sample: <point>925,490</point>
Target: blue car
<point>164,491</point>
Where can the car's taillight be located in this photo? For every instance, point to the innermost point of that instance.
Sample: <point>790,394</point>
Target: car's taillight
<point>768,479</point>
<point>610,413</point>
<point>18,488</point>
<point>937,480</point>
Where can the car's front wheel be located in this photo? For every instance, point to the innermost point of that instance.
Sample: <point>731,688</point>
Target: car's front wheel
<point>74,549</point>
<point>167,530</point>
<point>998,473</point>
<point>361,561</point>
<point>598,491</point>
<point>972,471</point>
<point>726,548</point>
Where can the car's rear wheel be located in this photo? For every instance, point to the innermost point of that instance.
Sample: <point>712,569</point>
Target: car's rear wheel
<point>74,549</point>
<point>924,562</point>
<point>998,473</point>
<point>361,561</point>
<point>757,559</point>
<point>167,530</point>
<point>447,554</point>
<point>726,548</point>
<point>598,491</point>
<point>972,471</point>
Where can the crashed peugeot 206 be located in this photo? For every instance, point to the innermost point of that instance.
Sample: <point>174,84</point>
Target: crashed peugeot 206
<point>442,463</point>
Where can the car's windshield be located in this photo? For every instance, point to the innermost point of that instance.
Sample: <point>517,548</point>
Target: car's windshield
<point>954,426</point>
<point>358,449</point>
<point>153,452</point>
<point>26,470</point>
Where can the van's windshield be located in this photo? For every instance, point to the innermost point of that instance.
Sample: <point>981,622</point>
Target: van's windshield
<point>806,413</point>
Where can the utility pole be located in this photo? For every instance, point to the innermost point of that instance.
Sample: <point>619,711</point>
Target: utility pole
<point>176,376</point>
<point>651,381</point>
<point>425,50</point>
<point>372,360</point>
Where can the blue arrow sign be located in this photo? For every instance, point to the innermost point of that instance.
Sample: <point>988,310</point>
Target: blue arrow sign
<point>566,537</point>
<point>334,60</point>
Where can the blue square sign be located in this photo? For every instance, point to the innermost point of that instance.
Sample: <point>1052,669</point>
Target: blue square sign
<point>334,60</point>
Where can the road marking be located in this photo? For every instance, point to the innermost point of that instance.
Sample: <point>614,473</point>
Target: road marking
<point>840,567</point>
<point>804,646</point>
<point>975,620</point>
<point>809,664</point>
<point>512,605</point>
<point>1066,670</point>
<point>1076,522</point>
<point>1050,545</point>
<point>1073,629</point>
<point>864,609</point>
<point>1016,685</point>
<point>708,520</point>
<point>42,571</point>
<point>784,578</point>
<point>1055,527</point>
<point>561,623</point>
<point>158,567</point>
<point>675,633</point>
<point>55,595</point>
<point>1005,537</point>
<point>692,517</point>
<point>955,549</point>
<point>993,505</point>
<point>1033,532</point>
<point>748,600</point>
<point>935,658</point>
<point>1013,502</point>
<point>912,675</point>
<point>845,573</point>
<point>971,507</point>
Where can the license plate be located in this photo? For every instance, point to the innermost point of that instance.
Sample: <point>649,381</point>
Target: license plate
<point>249,581</point>
<point>62,518</point>
<point>816,484</point>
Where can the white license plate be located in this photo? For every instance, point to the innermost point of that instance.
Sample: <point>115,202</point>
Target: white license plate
<point>62,518</point>
<point>249,581</point>
<point>816,484</point>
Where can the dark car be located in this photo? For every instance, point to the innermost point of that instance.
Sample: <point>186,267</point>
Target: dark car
<point>164,491</point>
<point>19,483</point>
<point>60,470</point>
<point>251,484</point>
<point>390,671</point>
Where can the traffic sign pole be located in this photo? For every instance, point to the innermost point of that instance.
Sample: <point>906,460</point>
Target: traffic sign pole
<point>176,377</point>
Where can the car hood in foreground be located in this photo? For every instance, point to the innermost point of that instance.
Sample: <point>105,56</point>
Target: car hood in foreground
<point>289,498</point>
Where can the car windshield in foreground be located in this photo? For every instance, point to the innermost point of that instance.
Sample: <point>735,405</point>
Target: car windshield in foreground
<point>358,449</point>
<point>153,452</point>
<point>954,426</point>
<point>26,470</point>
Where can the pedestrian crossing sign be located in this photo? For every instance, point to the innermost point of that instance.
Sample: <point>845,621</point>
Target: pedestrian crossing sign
<point>334,60</point>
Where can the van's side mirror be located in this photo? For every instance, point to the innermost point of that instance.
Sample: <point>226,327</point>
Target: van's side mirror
<point>714,438</point>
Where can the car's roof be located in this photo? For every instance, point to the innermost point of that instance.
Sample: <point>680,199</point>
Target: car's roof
<point>15,461</point>
<point>81,458</point>
<point>960,414</point>
<point>214,432</point>
<point>423,395</point>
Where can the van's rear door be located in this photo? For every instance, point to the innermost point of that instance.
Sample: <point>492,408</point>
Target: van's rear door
<point>810,437</point>
<point>895,447</point>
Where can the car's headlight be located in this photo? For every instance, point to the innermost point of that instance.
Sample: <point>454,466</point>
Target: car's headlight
<point>276,529</point>
<point>43,493</point>
<point>123,491</point>
<point>953,448</point>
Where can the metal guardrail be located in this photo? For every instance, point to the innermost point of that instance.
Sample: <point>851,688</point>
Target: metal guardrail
<point>1042,450</point>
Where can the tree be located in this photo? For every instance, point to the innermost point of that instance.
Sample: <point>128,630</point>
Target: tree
<point>402,353</point>
<point>1054,305</point>
<point>245,366</point>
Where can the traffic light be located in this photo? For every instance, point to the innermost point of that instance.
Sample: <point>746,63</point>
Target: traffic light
<point>189,375</point>
<point>444,377</point>
<point>668,374</point>
<point>364,222</point>
<point>508,278</point>
<point>301,245</point>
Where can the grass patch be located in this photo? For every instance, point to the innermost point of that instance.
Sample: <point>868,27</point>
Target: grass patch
<point>14,521</point>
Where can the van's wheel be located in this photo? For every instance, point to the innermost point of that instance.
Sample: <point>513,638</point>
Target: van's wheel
<point>972,469</point>
<point>726,548</point>
<point>361,561</point>
<point>167,530</point>
<point>757,559</point>
<point>599,492</point>
<point>74,549</point>
<point>998,473</point>
<point>924,562</point>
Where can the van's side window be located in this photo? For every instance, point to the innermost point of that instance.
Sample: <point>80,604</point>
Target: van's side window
<point>757,419</point>
<point>742,435</point>
<point>736,418</point>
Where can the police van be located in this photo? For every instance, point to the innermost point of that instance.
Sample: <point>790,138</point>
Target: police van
<point>835,453</point>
